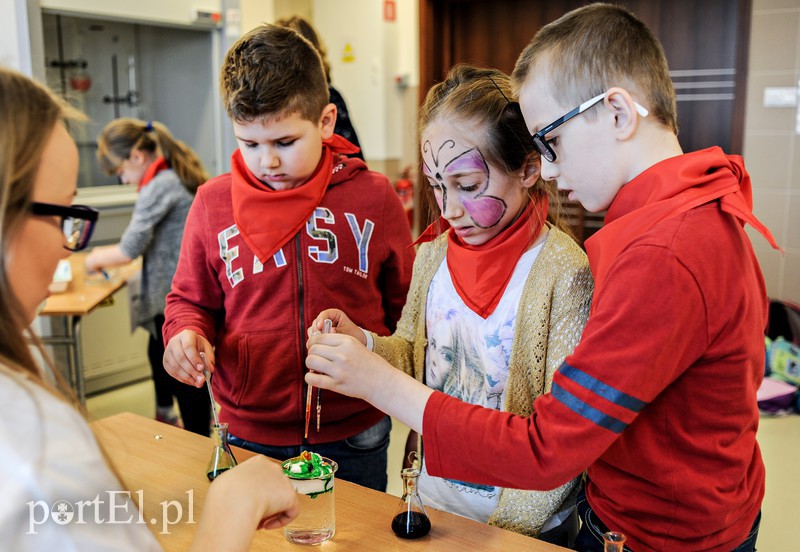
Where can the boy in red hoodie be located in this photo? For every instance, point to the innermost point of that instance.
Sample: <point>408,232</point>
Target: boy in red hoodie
<point>658,400</point>
<point>293,228</point>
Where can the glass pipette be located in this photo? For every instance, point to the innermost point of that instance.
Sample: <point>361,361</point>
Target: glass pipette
<point>207,375</point>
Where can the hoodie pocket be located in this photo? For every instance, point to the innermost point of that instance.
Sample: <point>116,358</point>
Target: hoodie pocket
<point>269,373</point>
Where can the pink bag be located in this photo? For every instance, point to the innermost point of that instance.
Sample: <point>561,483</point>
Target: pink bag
<point>776,397</point>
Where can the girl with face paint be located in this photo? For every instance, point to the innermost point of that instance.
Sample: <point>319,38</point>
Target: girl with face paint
<point>500,292</point>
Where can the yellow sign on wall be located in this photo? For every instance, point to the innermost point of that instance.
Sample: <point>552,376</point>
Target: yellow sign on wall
<point>348,55</point>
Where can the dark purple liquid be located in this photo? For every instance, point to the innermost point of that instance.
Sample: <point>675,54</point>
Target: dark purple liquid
<point>411,525</point>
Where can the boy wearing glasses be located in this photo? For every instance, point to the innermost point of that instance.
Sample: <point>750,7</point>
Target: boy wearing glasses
<point>659,397</point>
<point>658,400</point>
<point>294,228</point>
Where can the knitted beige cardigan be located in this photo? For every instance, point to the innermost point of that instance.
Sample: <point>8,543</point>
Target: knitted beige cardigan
<point>550,318</point>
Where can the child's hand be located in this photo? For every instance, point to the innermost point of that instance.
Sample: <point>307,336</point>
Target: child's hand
<point>276,502</point>
<point>93,262</point>
<point>253,495</point>
<point>341,324</point>
<point>344,365</point>
<point>182,357</point>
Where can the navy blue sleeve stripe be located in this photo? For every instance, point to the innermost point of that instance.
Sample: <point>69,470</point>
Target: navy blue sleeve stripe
<point>590,413</point>
<point>606,391</point>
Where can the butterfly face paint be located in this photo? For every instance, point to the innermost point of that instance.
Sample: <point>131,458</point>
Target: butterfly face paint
<point>479,200</point>
<point>467,175</point>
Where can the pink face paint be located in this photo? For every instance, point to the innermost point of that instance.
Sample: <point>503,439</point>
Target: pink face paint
<point>485,211</point>
<point>468,161</point>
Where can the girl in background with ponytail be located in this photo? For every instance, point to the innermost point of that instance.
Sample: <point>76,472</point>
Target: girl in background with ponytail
<point>167,174</point>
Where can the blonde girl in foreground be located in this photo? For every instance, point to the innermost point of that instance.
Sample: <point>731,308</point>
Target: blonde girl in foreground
<point>47,449</point>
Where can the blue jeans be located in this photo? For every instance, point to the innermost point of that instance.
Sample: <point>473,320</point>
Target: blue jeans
<point>361,458</point>
<point>590,537</point>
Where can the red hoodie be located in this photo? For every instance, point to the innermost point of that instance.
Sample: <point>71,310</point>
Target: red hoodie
<point>659,397</point>
<point>353,254</point>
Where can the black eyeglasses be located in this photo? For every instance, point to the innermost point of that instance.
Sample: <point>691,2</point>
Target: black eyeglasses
<point>543,145</point>
<point>77,222</point>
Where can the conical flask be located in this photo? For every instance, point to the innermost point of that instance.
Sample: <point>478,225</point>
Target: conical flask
<point>613,541</point>
<point>410,520</point>
<point>222,458</point>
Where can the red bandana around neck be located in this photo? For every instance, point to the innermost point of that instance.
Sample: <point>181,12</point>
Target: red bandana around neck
<point>160,164</point>
<point>481,273</point>
<point>668,189</point>
<point>266,218</point>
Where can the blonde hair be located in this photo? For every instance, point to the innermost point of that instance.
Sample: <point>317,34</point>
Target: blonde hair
<point>591,49</point>
<point>29,113</point>
<point>484,99</point>
<point>121,136</point>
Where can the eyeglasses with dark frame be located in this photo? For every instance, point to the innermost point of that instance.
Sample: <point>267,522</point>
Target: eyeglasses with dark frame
<point>543,145</point>
<point>77,222</point>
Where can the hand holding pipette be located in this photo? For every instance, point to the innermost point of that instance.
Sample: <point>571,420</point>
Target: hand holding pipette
<point>327,324</point>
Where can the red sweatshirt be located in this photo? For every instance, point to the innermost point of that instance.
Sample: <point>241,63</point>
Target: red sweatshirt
<point>658,399</point>
<point>354,254</point>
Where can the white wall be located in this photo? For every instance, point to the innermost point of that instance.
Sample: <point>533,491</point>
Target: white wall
<point>772,143</point>
<point>381,51</point>
<point>14,49</point>
<point>256,12</point>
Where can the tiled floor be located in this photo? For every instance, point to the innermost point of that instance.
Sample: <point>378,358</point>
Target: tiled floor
<point>779,440</point>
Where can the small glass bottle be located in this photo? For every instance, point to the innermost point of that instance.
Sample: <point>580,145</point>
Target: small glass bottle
<point>222,458</point>
<point>613,542</point>
<point>410,520</point>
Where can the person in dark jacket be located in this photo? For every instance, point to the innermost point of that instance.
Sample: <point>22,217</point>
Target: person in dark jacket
<point>344,126</point>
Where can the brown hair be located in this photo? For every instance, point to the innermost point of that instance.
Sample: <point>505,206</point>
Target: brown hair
<point>121,136</point>
<point>28,114</point>
<point>303,27</point>
<point>591,49</point>
<point>272,72</point>
<point>484,99</point>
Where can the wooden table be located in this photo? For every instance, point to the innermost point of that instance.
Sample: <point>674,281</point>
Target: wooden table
<point>84,294</point>
<point>164,465</point>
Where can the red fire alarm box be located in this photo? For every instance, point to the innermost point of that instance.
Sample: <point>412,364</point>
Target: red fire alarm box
<point>389,10</point>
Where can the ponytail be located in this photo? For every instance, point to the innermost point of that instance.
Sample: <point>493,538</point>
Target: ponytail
<point>180,157</point>
<point>121,136</point>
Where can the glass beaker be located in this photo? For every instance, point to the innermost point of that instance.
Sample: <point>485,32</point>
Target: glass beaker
<point>410,520</point>
<point>613,541</point>
<point>222,458</point>
<point>316,522</point>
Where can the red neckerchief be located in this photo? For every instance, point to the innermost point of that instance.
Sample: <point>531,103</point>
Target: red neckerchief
<point>668,189</point>
<point>160,164</point>
<point>481,273</point>
<point>266,218</point>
